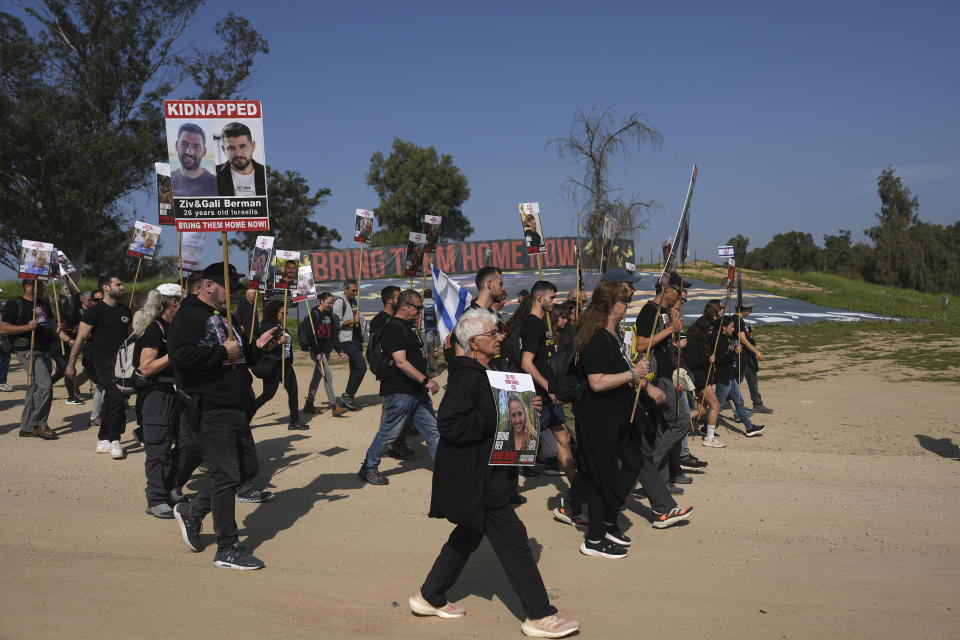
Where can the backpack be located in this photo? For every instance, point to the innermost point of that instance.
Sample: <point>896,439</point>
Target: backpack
<point>511,350</point>
<point>125,365</point>
<point>569,380</point>
<point>378,361</point>
<point>306,337</point>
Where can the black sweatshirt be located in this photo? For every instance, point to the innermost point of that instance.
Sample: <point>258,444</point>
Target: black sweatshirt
<point>195,344</point>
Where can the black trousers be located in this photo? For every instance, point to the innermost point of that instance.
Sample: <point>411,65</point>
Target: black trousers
<point>510,542</point>
<point>161,419</point>
<point>272,383</point>
<point>358,366</point>
<point>750,373</point>
<point>113,413</point>
<point>226,446</point>
<point>60,371</point>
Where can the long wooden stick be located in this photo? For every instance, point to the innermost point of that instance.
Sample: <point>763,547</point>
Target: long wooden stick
<point>226,286</point>
<point>72,282</point>
<point>314,329</point>
<point>56,304</point>
<point>426,268</point>
<point>32,333</point>
<point>283,347</point>
<point>359,276</point>
<point>180,255</point>
<point>576,308</point>
<point>546,314</point>
<point>253,316</point>
<point>133,289</point>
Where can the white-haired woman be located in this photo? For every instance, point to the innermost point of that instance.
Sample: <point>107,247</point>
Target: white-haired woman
<point>470,493</point>
<point>158,403</point>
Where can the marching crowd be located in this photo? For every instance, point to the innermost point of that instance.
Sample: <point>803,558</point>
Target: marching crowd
<point>611,418</point>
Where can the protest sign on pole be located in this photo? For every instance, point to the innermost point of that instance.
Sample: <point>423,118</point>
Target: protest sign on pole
<point>35,260</point>
<point>362,233</point>
<point>260,260</point>
<point>193,243</point>
<point>217,165</point>
<point>164,193</point>
<point>532,229</point>
<point>518,427</point>
<point>431,229</point>
<point>285,274</point>
<point>416,242</point>
<point>143,241</point>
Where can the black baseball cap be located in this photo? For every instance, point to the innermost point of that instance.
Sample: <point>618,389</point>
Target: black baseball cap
<point>214,273</point>
<point>620,275</point>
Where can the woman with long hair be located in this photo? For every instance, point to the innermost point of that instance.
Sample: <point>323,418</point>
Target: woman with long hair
<point>158,407</point>
<point>278,351</point>
<point>701,362</point>
<point>475,496</point>
<point>523,432</point>
<point>605,435</point>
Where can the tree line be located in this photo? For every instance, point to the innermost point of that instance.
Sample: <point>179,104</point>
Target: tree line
<point>905,251</point>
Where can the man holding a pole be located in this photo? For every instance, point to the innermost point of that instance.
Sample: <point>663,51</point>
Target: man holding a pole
<point>28,325</point>
<point>110,323</point>
<point>346,311</point>
<point>215,386</point>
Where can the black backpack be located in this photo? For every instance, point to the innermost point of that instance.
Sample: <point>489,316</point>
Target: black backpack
<point>569,380</point>
<point>511,350</point>
<point>378,361</point>
<point>306,337</point>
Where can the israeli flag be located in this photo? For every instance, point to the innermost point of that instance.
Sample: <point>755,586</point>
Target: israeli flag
<point>450,299</point>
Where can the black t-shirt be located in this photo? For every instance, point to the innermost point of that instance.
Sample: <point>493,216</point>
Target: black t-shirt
<point>111,326</point>
<point>536,339</point>
<point>19,311</point>
<point>664,352</point>
<point>379,321</point>
<point>603,355</point>
<point>155,337</point>
<point>401,335</point>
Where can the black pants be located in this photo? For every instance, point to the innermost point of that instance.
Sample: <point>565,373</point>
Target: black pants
<point>186,454</point>
<point>161,420</point>
<point>358,366</point>
<point>227,448</point>
<point>272,383</point>
<point>113,413</point>
<point>750,373</point>
<point>509,540</point>
<point>60,370</point>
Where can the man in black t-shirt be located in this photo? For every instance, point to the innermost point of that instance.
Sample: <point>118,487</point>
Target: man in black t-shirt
<point>18,325</point>
<point>404,386</point>
<point>750,357</point>
<point>109,323</point>
<point>388,295</point>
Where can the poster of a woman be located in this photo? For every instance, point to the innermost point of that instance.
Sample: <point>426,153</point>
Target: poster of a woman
<point>518,428</point>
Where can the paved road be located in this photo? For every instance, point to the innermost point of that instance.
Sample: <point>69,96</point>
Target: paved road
<point>768,308</point>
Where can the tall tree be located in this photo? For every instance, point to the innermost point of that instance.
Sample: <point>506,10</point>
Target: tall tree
<point>896,256</point>
<point>414,181</point>
<point>739,244</point>
<point>595,141</point>
<point>793,250</point>
<point>291,210</point>
<point>82,125</point>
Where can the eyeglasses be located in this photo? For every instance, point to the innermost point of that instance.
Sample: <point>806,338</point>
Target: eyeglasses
<point>97,299</point>
<point>418,307</point>
<point>493,333</point>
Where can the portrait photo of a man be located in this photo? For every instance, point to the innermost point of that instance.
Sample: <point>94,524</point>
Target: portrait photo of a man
<point>191,179</point>
<point>240,175</point>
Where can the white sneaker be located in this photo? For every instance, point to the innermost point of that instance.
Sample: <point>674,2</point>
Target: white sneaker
<point>103,446</point>
<point>5,387</point>
<point>116,451</point>
<point>713,442</point>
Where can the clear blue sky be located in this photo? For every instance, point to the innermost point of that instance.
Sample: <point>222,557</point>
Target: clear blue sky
<point>790,111</point>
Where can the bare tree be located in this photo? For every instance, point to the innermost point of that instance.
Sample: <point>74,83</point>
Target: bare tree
<point>596,139</point>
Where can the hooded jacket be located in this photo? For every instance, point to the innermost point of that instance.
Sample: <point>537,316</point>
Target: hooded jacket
<point>195,344</point>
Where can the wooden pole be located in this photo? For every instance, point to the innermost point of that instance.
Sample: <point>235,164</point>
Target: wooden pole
<point>133,290</point>
<point>56,305</point>
<point>253,316</point>
<point>226,286</point>
<point>72,282</point>
<point>426,268</point>
<point>33,333</point>
<point>576,307</point>
<point>603,245</point>
<point>180,255</point>
<point>359,275</point>
<point>546,314</point>
<point>314,329</point>
<point>283,347</point>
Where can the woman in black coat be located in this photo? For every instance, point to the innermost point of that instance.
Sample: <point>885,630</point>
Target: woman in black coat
<point>475,496</point>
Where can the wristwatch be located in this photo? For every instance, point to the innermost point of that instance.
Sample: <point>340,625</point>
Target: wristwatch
<point>425,380</point>
<point>633,375</point>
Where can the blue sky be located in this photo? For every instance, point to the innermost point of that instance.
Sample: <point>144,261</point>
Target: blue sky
<point>790,111</point>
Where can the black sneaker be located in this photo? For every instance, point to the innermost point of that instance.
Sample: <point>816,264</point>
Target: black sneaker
<point>674,489</point>
<point>564,513</point>
<point>236,557</point>
<point>516,499</point>
<point>614,534</point>
<point>529,472</point>
<point>551,467</point>
<point>372,476</point>
<point>760,408</point>
<point>672,517</point>
<point>254,496</point>
<point>75,400</point>
<point>754,430</point>
<point>296,425</point>
<point>399,450</point>
<point>347,401</point>
<point>190,527</point>
<point>682,479</point>
<point>692,463</point>
<point>138,435</point>
<point>603,549</point>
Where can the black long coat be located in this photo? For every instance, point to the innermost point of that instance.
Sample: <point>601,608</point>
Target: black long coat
<point>464,484</point>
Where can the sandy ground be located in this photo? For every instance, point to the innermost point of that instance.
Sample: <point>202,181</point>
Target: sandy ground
<point>842,520</point>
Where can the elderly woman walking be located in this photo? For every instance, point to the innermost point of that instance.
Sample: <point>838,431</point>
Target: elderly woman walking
<point>476,496</point>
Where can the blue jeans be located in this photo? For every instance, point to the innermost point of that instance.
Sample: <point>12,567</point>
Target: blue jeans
<point>396,408</point>
<point>731,390</point>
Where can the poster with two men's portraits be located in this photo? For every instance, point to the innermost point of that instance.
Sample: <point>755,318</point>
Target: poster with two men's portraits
<point>217,165</point>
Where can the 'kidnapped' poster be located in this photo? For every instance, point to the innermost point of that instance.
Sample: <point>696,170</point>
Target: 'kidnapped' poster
<point>518,427</point>
<point>217,165</point>
<point>532,229</point>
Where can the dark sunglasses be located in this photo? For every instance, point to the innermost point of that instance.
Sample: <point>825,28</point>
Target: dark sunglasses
<point>418,307</point>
